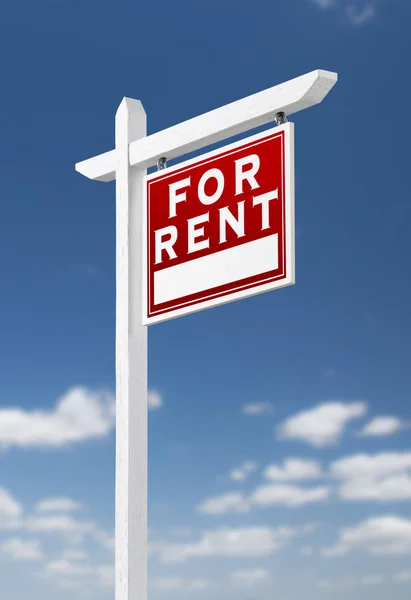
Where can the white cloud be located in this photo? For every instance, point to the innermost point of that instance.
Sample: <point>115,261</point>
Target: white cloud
<point>345,583</point>
<point>371,465</point>
<point>371,579</point>
<point>10,509</point>
<point>402,576</point>
<point>106,540</point>
<point>170,583</point>
<point>198,584</point>
<point>11,518</point>
<point>360,16</point>
<point>65,525</point>
<point>79,415</point>
<point>70,529</point>
<point>288,495</point>
<point>307,551</point>
<point>386,535</point>
<point>106,575</point>
<point>238,475</point>
<point>155,400</point>
<point>255,409</point>
<point>322,425</point>
<point>68,583</point>
<point>70,554</point>
<point>241,473</point>
<point>58,504</point>
<point>265,495</point>
<point>180,583</point>
<point>219,505</point>
<point>294,469</point>
<point>325,584</point>
<point>389,489</point>
<point>382,426</point>
<point>333,551</point>
<point>182,532</point>
<point>349,582</point>
<point>249,577</point>
<point>66,568</point>
<point>357,15</point>
<point>67,574</point>
<point>241,542</point>
<point>380,477</point>
<point>249,466</point>
<point>325,3</point>
<point>20,549</point>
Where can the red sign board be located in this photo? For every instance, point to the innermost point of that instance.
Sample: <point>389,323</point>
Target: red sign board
<point>220,227</point>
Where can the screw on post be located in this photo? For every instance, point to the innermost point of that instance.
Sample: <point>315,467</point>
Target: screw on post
<point>162,163</point>
<point>280,118</point>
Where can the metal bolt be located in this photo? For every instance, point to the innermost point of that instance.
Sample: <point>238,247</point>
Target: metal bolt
<point>162,163</point>
<point>280,118</point>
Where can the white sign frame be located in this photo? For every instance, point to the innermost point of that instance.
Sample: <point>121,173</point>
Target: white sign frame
<point>289,196</point>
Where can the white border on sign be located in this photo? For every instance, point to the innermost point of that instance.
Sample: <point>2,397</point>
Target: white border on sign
<point>288,128</point>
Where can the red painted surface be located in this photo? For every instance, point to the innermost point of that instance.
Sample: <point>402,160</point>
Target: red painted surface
<point>270,176</point>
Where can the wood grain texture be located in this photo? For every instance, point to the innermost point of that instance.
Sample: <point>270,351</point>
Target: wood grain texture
<point>131,364</point>
<point>235,118</point>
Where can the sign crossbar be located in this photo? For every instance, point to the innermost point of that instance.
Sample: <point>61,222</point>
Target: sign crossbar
<point>233,119</point>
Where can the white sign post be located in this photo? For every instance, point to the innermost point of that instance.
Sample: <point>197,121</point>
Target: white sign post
<point>131,364</point>
<point>127,164</point>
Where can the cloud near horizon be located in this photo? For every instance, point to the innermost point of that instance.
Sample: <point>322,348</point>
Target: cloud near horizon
<point>357,12</point>
<point>256,409</point>
<point>383,426</point>
<point>378,536</point>
<point>79,415</point>
<point>241,542</point>
<point>323,425</point>
<point>381,477</point>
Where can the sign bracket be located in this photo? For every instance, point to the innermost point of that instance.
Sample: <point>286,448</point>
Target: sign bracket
<point>280,118</point>
<point>162,163</point>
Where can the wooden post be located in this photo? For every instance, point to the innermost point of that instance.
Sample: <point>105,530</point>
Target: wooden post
<point>131,364</point>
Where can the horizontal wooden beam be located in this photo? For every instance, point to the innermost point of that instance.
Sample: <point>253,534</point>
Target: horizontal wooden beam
<point>100,168</point>
<point>229,120</point>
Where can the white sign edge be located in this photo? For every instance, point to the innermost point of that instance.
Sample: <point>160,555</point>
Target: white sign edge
<point>290,228</point>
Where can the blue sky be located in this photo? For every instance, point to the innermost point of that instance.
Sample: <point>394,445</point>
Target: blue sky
<point>280,455</point>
